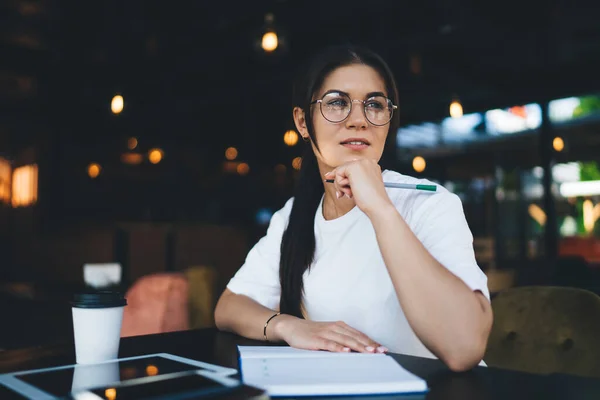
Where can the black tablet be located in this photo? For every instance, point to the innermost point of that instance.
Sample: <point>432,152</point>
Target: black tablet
<point>61,381</point>
<point>185,385</point>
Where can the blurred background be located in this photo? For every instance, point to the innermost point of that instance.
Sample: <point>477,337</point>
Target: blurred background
<point>146,140</point>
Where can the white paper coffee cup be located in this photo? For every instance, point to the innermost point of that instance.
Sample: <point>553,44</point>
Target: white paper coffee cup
<point>97,319</point>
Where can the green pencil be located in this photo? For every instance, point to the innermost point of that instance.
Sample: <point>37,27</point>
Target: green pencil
<point>428,188</point>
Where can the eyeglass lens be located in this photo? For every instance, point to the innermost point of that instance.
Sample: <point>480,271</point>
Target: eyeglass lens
<point>336,107</point>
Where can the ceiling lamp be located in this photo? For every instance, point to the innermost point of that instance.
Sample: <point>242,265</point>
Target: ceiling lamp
<point>456,110</point>
<point>290,138</point>
<point>419,164</point>
<point>231,153</point>
<point>155,155</point>
<point>558,143</point>
<point>116,105</point>
<point>270,42</point>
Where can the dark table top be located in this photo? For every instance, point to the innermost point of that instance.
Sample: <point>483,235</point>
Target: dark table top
<point>215,347</point>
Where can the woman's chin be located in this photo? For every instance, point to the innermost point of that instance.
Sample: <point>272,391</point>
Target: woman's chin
<point>355,157</point>
<point>333,162</point>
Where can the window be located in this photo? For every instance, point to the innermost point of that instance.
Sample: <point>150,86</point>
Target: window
<point>514,119</point>
<point>562,110</point>
<point>25,185</point>
<point>4,181</point>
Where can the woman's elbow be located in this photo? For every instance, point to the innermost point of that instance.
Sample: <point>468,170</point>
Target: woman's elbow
<point>462,363</point>
<point>220,312</point>
<point>466,357</point>
<point>470,351</point>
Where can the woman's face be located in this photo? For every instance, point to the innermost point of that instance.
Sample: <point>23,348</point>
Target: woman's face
<point>355,137</point>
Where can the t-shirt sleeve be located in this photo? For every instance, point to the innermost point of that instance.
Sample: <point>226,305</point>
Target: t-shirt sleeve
<point>258,278</point>
<point>442,228</point>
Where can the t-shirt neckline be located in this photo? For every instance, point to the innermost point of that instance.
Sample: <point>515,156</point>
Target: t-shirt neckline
<point>341,222</point>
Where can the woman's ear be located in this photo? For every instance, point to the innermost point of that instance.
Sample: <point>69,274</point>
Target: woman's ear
<point>300,121</point>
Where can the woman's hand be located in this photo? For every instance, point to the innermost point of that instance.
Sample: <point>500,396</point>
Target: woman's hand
<point>331,336</point>
<point>362,181</point>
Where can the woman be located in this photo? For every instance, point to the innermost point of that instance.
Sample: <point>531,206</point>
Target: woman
<point>349,264</point>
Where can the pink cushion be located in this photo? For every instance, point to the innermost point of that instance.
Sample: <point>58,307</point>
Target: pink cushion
<point>156,303</point>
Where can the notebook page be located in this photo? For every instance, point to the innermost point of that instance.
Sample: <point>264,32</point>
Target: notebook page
<point>290,372</point>
<point>286,351</point>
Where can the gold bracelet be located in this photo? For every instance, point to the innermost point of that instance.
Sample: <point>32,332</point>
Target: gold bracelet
<point>266,324</point>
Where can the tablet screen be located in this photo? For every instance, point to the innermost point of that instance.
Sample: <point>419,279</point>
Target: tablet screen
<point>61,382</point>
<point>190,386</point>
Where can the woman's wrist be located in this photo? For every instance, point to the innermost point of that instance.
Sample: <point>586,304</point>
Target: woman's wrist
<point>279,326</point>
<point>383,212</point>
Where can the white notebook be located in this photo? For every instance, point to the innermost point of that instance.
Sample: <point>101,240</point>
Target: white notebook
<point>285,371</point>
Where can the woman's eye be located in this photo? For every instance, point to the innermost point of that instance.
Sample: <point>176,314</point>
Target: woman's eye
<point>337,103</point>
<point>375,105</point>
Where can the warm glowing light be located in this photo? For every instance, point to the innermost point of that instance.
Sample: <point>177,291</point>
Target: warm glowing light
<point>5,174</point>
<point>132,143</point>
<point>456,110</point>
<point>596,212</point>
<point>243,169</point>
<point>93,170</point>
<point>116,105</point>
<point>588,215</point>
<point>24,185</point>
<point>132,158</point>
<point>231,153</point>
<point>297,163</point>
<point>155,156</point>
<point>537,214</point>
<point>151,370</point>
<point>290,137</point>
<point>585,188</point>
<point>558,143</point>
<point>280,169</point>
<point>110,394</point>
<point>419,164</point>
<point>519,111</point>
<point>269,41</point>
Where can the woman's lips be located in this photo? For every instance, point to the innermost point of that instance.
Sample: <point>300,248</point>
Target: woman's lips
<point>355,143</point>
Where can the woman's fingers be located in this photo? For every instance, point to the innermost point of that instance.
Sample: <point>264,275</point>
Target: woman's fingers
<point>333,346</point>
<point>342,186</point>
<point>332,336</point>
<point>344,192</point>
<point>343,182</point>
<point>364,339</point>
<point>346,341</point>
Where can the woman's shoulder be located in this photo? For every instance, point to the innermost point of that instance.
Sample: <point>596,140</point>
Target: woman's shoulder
<point>396,177</point>
<point>283,214</point>
<point>410,200</point>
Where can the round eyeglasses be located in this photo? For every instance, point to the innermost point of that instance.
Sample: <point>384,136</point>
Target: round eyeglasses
<point>336,107</point>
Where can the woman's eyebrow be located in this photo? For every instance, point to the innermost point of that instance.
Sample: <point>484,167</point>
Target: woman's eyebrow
<point>373,94</point>
<point>369,95</point>
<point>335,91</point>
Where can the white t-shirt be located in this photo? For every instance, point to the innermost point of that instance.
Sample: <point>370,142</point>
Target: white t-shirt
<point>348,279</point>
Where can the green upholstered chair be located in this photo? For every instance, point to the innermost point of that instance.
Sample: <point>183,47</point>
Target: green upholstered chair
<point>202,297</point>
<point>544,329</point>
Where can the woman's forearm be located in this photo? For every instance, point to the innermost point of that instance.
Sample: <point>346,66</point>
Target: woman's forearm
<point>448,317</point>
<point>242,315</point>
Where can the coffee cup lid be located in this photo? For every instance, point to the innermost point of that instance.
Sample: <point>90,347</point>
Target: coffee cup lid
<point>101,299</point>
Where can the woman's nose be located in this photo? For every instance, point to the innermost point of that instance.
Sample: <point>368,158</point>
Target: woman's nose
<point>356,119</point>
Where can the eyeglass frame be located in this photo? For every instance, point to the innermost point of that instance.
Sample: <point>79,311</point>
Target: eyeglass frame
<point>320,101</point>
